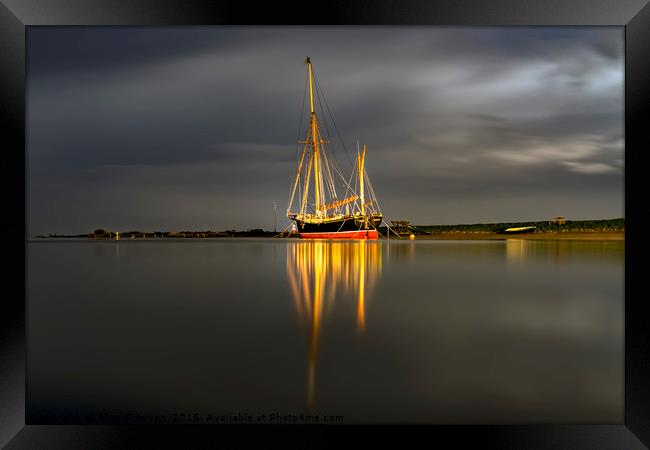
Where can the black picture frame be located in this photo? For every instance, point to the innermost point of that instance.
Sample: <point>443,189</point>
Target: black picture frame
<point>16,15</point>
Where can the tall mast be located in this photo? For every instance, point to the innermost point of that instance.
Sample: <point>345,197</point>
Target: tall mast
<point>361,160</point>
<point>314,142</point>
<point>311,89</point>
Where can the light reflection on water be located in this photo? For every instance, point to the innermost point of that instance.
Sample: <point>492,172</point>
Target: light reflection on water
<point>316,270</point>
<point>508,331</point>
<point>519,251</point>
<point>319,270</point>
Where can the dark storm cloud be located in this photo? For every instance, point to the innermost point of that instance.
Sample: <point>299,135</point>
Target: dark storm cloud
<point>97,49</point>
<point>177,127</point>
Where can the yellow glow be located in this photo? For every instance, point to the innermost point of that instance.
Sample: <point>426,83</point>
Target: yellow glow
<point>315,271</point>
<point>361,302</point>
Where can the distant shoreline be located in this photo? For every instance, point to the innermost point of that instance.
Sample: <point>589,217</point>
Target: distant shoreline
<point>567,235</point>
<point>585,235</point>
<point>558,228</point>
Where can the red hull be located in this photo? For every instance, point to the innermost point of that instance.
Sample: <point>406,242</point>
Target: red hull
<point>360,234</point>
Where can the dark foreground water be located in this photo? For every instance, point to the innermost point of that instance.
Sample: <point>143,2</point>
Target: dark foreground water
<point>410,331</point>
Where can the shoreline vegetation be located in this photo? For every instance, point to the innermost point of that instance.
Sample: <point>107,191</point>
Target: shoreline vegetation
<point>554,229</point>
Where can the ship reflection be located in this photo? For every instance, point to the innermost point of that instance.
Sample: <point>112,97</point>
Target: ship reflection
<point>320,272</point>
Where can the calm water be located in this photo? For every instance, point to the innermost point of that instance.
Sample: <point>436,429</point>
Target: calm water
<point>410,331</point>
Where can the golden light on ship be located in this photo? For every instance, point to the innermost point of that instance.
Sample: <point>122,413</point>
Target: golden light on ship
<point>352,213</point>
<point>317,271</point>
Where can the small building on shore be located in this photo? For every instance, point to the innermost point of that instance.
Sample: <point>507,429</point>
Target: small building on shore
<point>559,220</point>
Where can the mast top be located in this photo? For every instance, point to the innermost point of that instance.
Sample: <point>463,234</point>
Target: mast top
<point>311,93</point>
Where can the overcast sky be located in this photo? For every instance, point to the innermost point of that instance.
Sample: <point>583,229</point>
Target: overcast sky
<point>196,127</point>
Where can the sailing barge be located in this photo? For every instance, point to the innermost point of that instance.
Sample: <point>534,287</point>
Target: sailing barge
<point>322,213</point>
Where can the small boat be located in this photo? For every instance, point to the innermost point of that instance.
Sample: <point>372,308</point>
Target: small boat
<point>517,230</point>
<point>321,212</point>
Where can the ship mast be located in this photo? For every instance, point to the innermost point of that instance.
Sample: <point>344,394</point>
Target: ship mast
<point>318,182</point>
<point>314,157</point>
<point>360,163</point>
<point>327,208</point>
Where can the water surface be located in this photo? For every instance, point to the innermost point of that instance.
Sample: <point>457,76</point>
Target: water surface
<point>510,331</point>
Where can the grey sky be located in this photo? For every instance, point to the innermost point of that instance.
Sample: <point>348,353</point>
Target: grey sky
<point>196,127</point>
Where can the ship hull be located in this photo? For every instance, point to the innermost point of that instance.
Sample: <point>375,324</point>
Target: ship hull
<point>346,228</point>
<point>361,234</point>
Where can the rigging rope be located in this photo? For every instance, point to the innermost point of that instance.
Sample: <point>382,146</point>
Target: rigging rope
<point>347,153</point>
<point>302,114</point>
<point>282,232</point>
<point>298,133</point>
<point>331,162</point>
<point>335,164</point>
<point>330,180</point>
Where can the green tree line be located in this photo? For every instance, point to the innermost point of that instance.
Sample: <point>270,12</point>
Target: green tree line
<point>601,225</point>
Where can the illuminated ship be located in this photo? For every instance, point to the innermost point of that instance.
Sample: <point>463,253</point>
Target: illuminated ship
<point>321,213</point>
